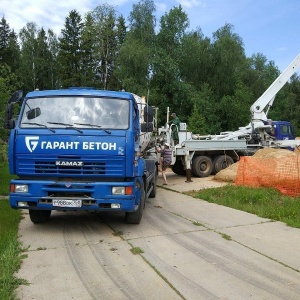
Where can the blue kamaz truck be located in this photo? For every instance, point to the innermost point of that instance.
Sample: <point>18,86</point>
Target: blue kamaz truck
<point>80,149</point>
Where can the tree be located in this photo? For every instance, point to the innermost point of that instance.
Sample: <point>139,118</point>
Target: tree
<point>228,59</point>
<point>9,83</point>
<point>142,22</point>
<point>38,58</point>
<point>52,63</point>
<point>204,100</point>
<point>106,42</point>
<point>9,48</point>
<point>171,89</point>
<point>197,123</point>
<point>89,61</point>
<point>173,27</point>
<point>196,60</point>
<point>133,66</point>
<point>121,32</point>
<point>260,74</point>
<point>28,70</point>
<point>134,61</point>
<point>44,62</point>
<point>70,51</point>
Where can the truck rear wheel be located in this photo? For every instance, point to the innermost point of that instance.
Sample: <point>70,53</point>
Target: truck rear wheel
<point>154,180</point>
<point>136,216</point>
<point>39,216</point>
<point>178,169</point>
<point>221,162</point>
<point>202,166</point>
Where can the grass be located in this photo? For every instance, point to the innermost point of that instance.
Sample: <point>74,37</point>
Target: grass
<point>263,202</point>
<point>10,250</point>
<point>5,178</point>
<point>10,247</point>
<point>136,250</point>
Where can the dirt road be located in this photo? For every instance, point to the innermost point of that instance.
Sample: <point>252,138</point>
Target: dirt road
<point>190,249</point>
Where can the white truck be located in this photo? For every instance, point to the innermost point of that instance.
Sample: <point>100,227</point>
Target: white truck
<point>204,155</point>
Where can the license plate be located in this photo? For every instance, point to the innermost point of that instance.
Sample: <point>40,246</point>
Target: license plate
<point>67,203</point>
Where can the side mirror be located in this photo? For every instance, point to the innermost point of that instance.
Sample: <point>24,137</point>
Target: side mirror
<point>8,116</point>
<point>33,113</point>
<point>17,96</point>
<point>147,127</point>
<point>148,113</point>
<point>11,124</point>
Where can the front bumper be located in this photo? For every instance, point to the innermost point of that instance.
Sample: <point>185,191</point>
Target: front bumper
<point>93,196</point>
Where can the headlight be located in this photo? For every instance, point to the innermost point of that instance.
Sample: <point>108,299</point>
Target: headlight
<point>118,190</point>
<point>121,190</point>
<point>21,188</point>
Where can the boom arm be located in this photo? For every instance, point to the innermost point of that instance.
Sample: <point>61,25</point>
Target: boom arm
<point>267,98</point>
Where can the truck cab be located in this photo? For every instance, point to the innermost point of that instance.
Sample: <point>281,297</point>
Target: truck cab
<point>79,149</point>
<point>280,130</point>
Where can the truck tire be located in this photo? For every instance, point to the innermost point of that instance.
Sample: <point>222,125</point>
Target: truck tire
<point>39,216</point>
<point>202,166</point>
<point>221,162</point>
<point>136,216</point>
<point>153,183</point>
<point>178,169</point>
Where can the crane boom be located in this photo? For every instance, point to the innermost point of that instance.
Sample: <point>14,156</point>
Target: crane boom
<point>265,101</point>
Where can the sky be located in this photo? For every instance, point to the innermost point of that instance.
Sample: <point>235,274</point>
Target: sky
<point>269,27</point>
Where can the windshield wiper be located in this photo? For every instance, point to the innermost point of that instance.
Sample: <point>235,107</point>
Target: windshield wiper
<point>68,126</point>
<point>95,126</point>
<point>38,124</point>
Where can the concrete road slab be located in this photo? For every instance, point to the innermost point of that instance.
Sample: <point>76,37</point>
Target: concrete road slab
<point>211,215</point>
<point>275,240</point>
<point>80,257</point>
<point>203,265</point>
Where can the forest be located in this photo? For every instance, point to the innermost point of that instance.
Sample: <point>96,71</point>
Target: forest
<point>208,81</point>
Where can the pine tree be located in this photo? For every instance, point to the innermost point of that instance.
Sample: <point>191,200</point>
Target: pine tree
<point>9,48</point>
<point>70,51</point>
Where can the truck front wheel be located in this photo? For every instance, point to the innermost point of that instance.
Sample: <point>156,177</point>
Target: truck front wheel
<point>202,166</point>
<point>39,216</point>
<point>136,216</point>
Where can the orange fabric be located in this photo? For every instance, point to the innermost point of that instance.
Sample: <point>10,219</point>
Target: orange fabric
<point>282,174</point>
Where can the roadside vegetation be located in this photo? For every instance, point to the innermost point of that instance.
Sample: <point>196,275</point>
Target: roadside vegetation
<point>263,202</point>
<point>10,247</point>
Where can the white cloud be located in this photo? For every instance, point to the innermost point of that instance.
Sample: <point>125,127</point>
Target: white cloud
<point>161,7</point>
<point>191,3</point>
<point>45,13</point>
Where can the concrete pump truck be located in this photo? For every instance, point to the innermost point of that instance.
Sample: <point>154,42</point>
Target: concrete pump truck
<point>203,155</point>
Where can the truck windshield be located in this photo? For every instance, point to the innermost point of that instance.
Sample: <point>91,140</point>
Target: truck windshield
<point>77,111</point>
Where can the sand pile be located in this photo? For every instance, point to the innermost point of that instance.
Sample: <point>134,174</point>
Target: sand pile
<point>229,174</point>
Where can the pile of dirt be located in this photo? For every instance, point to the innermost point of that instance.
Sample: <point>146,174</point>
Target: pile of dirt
<point>229,174</point>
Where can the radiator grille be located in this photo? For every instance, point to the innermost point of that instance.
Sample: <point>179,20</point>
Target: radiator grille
<point>110,166</point>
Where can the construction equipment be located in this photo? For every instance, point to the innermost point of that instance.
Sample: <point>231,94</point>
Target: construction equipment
<point>204,155</point>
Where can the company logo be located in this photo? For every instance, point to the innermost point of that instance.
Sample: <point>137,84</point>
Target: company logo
<point>31,142</point>
<point>69,163</point>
